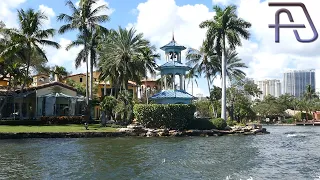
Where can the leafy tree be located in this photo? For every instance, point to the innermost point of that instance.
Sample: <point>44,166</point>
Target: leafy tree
<point>78,86</point>
<point>215,97</point>
<point>124,108</point>
<point>107,106</point>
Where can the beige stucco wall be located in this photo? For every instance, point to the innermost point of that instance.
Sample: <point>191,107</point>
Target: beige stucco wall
<point>48,90</point>
<point>76,79</point>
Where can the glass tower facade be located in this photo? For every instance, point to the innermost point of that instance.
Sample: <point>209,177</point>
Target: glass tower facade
<point>295,82</point>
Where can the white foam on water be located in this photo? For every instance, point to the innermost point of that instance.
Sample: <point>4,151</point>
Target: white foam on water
<point>317,178</point>
<point>291,135</point>
<point>229,178</point>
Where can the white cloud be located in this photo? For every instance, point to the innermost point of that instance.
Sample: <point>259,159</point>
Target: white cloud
<point>49,13</point>
<point>98,3</point>
<point>8,13</point>
<point>222,2</point>
<point>65,58</point>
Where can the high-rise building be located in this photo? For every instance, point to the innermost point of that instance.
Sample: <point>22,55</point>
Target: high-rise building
<point>296,81</point>
<point>269,87</point>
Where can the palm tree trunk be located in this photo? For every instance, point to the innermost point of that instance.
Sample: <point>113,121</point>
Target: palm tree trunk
<point>91,84</point>
<point>91,79</point>
<point>192,86</point>
<point>25,81</point>
<point>224,88</point>
<point>88,113</point>
<point>105,88</point>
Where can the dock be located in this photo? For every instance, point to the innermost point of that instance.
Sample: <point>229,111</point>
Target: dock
<point>308,123</point>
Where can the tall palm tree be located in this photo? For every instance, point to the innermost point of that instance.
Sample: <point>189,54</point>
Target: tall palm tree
<point>28,40</point>
<point>149,56</point>
<point>124,54</point>
<point>192,76</point>
<point>87,20</point>
<point>226,28</point>
<point>203,61</point>
<point>94,40</point>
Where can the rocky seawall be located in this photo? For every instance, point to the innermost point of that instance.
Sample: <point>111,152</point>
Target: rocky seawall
<point>141,131</point>
<point>138,131</point>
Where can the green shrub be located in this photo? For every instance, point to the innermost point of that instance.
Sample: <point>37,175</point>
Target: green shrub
<point>219,123</point>
<point>201,124</point>
<point>230,122</point>
<point>62,120</point>
<point>300,116</point>
<point>173,116</point>
<point>204,108</point>
<point>289,121</point>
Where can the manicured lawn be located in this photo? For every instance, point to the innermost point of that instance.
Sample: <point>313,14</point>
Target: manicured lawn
<point>62,128</point>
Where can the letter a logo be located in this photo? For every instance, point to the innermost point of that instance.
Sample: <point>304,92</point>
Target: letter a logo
<point>277,24</point>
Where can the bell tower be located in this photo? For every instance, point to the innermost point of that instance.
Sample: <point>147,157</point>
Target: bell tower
<point>170,94</point>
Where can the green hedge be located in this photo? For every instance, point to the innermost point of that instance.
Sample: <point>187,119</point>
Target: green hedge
<point>173,116</point>
<point>289,121</point>
<point>219,123</point>
<point>201,124</point>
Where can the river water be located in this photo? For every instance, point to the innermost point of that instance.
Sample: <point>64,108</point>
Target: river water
<point>289,152</point>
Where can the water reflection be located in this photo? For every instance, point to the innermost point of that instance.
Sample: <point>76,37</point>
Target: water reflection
<point>287,152</point>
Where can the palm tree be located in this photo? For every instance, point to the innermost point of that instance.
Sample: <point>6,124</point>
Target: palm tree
<point>28,40</point>
<point>59,71</point>
<point>124,55</point>
<point>168,80</point>
<point>203,61</point>
<point>192,76</point>
<point>87,20</point>
<point>149,56</point>
<point>95,39</point>
<point>233,66</point>
<point>310,93</point>
<point>226,28</point>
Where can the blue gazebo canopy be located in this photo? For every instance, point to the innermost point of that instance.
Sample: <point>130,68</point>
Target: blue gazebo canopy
<point>172,94</point>
<point>172,97</point>
<point>173,45</point>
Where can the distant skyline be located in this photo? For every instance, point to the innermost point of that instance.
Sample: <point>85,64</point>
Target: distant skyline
<point>157,19</point>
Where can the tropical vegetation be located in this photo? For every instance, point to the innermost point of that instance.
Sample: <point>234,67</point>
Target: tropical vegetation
<point>122,55</point>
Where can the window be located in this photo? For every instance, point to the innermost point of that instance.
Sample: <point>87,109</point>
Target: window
<point>81,79</point>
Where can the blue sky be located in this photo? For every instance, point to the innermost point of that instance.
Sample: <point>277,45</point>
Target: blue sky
<point>157,19</point>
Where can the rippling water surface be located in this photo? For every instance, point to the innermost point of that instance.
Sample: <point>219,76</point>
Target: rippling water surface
<point>287,153</point>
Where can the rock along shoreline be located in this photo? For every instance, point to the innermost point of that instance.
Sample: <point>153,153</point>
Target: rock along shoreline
<point>136,132</point>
